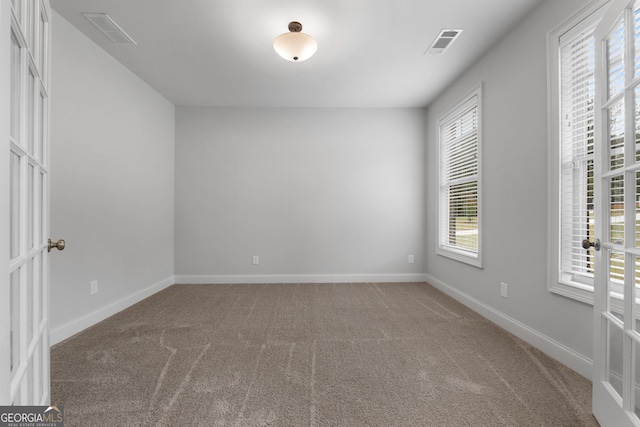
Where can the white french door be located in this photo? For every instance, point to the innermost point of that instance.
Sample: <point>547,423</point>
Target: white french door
<point>25,34</point>
<point>616,380</point>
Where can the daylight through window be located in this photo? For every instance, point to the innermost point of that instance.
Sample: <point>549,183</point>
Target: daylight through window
<point>460,228</point>
<point>577,84</point>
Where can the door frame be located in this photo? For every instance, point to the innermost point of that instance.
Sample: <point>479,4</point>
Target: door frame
<point>5,55</point>
<point>28,382</point>
<point>609,408</point>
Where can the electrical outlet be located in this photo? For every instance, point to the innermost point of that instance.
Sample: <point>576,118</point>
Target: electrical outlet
<point>411,259</point>
<point>94,287</point>
<point>504,290</point>
<point>256,260</point>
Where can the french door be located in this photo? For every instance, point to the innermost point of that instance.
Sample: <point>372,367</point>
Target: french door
<point>616,380</point>
<point>25,36</point>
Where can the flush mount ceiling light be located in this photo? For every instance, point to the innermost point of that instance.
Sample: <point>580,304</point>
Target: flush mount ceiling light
<point>295,46</point>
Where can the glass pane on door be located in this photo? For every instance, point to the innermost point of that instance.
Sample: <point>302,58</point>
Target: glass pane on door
<point>42,42</point>
<point>636,294</point>
<point>616,135</point>
<point>615,346</point>
<point>615,51</point>
<point>41,120</point>
<point>636,354</point>
<point>30,206</point>
<point>30,111</point>
<point>615,286</point>
<point>40,291</point>
<point>14,122</point>
<point>14,205</point>
<point>16,6</point>
<point>37,297</point>
<point>636,97</point>
<point>42,208</point>
<point>616,210</point>
<point>28,295</point>
<point>637,209</point>
<point>14,315</point>
<point>37,380</point>
<point>636,36</point>
<point>28,382</point>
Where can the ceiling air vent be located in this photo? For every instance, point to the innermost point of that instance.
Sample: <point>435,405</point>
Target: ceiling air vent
<point>443,41</point>
<point>109,28</point>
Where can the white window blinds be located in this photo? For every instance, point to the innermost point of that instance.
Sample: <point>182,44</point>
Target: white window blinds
<point>459,180</point>
<point>576,151</point>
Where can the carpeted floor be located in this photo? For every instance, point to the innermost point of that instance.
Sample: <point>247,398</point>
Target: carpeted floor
<point>309,355</point>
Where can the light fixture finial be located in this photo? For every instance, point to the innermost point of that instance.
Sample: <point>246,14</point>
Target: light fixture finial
<point>295,27</point>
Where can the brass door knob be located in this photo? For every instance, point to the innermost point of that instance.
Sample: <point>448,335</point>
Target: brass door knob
<point>59,245</point>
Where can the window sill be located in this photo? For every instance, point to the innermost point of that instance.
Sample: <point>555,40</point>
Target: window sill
<point>580,293</point>
<point>461,256</point>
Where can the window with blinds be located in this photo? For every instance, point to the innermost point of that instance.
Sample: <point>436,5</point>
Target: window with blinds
<point>571,79</point>
<point>459,213</point>
<point>577,86</point>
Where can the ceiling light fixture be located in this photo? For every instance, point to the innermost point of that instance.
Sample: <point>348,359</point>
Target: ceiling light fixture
<point>295,46</point>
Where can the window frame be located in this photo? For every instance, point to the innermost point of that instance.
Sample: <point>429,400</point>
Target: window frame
<point>589,15</point>
<point>457,109</point>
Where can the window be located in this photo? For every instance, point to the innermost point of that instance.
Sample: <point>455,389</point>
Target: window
<point>571,150</point>
<point>460,185</point>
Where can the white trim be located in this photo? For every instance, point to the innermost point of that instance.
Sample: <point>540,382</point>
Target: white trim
<point>572,359</point>
<point>446,251</point>
<point>558,351</point>
<point>590,13</point>
<point>186,279</point>
<point>67,330</point>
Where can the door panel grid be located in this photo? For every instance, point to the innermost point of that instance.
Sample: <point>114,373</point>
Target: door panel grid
<point>28,263</point>
<point>617,180</point>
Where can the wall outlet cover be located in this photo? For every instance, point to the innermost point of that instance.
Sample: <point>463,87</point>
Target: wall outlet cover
<point>504,290</point>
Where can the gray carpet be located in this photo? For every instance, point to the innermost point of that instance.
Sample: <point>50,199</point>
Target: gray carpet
<point>309,355</point>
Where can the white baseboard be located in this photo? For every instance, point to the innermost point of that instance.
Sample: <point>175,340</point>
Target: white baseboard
<point>549,346</point>
<point>69,329</point>
<point>556,350</point>
<point>298,278</point>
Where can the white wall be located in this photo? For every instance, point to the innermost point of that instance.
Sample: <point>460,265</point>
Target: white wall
<point>313,192</point>
<point>514,74</point>
<point>316,193</point>
<point>112,183</point>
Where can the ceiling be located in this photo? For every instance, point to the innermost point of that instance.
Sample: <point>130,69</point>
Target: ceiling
<point>370,52</point>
